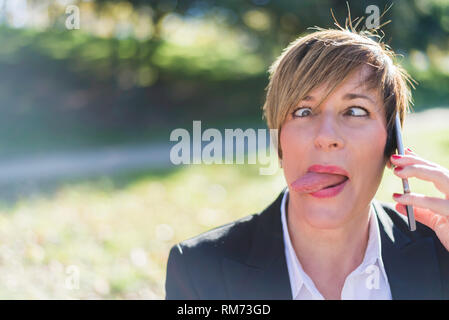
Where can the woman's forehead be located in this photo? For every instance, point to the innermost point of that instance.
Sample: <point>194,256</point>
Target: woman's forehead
<point>356,84</point>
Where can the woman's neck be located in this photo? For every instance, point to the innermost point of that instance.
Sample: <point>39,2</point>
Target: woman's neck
<point>328,256</point>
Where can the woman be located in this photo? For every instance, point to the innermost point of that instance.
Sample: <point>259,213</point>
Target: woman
<point>333,96</point>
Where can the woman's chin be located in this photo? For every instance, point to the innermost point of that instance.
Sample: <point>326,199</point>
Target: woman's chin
<point>326,218</point>
<point>326,213</point>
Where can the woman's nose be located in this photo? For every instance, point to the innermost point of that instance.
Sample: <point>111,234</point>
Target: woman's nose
<point>327,137</point>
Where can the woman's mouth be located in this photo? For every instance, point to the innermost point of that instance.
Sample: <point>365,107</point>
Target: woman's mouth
<point>330,191</point>
<point>320,185</point>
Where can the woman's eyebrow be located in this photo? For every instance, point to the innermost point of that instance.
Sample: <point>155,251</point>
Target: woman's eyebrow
<point>348,96</point>
<point>351,96</point>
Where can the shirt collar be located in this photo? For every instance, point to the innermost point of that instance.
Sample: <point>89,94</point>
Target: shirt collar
<point>298,277</point>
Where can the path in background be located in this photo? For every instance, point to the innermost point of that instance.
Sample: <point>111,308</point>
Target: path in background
<point>118,159</point>
<point>435,118</point>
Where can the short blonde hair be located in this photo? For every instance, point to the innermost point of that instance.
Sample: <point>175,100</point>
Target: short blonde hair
<point>328,56</point>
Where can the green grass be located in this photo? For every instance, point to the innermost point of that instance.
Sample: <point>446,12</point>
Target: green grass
<point>118,234</point>
<point>117,231</point>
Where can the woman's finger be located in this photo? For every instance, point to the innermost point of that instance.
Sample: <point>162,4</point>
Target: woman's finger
<point>439,224</point>
<point>410,158</point>
<point>439,175</point>
<point>400,160</point>
<point>437,205</point>
<point>440,178</point>
<point>425,216</point>
<point>390,162</point>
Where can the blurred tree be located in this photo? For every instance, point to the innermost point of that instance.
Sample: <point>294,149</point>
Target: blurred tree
<point>149,63</point>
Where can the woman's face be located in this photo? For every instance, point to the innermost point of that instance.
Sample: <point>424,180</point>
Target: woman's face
<point>347,130</point>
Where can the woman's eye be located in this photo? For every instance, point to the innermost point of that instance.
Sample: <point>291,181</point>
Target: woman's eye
<point>358,112</point>
<point>354,111</point>
<point>302,112</point>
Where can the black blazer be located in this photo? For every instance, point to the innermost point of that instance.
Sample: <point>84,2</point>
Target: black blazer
<point>245,260</point>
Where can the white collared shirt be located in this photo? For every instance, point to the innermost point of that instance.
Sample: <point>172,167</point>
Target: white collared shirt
<point>367,282</point>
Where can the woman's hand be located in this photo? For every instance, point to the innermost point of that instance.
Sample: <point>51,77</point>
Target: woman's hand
<point>431,211</point>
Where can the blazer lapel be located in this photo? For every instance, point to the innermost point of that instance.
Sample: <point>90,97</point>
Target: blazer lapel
<point>410,263</point>
<point>264,274</point>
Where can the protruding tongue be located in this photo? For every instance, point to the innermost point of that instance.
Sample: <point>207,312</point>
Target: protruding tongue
<point>313,181</point>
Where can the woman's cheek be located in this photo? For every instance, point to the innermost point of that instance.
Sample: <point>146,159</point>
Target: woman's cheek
<point>371,139</point>
<point>292,143</point>
<point>368,148</point>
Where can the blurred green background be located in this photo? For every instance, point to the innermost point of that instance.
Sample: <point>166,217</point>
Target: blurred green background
<point>86,116</point>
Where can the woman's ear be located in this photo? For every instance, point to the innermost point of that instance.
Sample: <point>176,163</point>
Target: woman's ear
<point>389,164</point>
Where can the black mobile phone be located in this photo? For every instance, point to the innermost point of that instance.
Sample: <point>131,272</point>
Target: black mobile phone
<point>400,147</point>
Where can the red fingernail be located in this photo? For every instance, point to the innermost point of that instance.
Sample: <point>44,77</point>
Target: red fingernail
<point>396,156</point>
<point>397,195</point>
<point>410,150</point>
<point>398,169</point>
